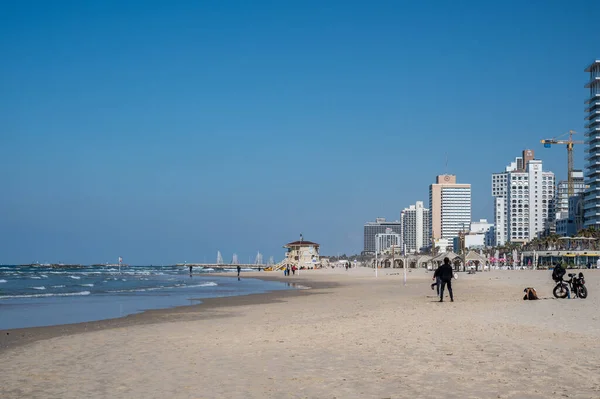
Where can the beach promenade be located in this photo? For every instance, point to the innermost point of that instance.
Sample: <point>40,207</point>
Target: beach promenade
<point>350,335</point>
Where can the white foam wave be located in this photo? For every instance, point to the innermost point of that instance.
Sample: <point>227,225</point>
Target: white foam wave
<point>43,275</point>
<point>2,281</point>
<point>75,277</point>
<point>210,269</point>
<point>36,277</point>
<point>87,285</point>
<point>208,284</point>
<point>58,286</point>
<point>45,295</point>
<point>39,288</point>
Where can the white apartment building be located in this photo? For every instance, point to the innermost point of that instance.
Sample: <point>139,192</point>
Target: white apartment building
<point>500,221</point>
<point>456,210</point>
<point>415,222</point>
<point>450,207</point>
<point>524,200</point>
<point>484,228</point>
<point>387,240</point>
<point>591,207</point>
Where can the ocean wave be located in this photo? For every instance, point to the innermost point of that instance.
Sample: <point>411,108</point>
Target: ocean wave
<point>39,288</point>
<point>36,277</point>
<point>208,284</point>
<point>2,281</point>
<point>75,277</point>
<point>58,286</point>
<point>43,275</point>
<point>87,285</point>
<point>45,295</point>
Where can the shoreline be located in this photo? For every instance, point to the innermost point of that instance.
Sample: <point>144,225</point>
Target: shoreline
<point>350,335</point>
<point>13,338</point>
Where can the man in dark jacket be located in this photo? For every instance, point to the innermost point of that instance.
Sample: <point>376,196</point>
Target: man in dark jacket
<point>446,274</point>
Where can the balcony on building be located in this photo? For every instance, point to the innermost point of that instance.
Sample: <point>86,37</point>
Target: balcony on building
<point>592,103</point>
<point>595,80</point>
<point>593,131</point>
<point>593,122</point>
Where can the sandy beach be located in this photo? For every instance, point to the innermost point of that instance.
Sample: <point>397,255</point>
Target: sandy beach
<point>350,335</point>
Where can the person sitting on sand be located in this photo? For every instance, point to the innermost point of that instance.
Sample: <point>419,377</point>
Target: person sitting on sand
<point>446,274</point>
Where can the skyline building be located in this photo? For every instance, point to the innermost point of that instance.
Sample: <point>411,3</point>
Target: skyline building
<point>591,212</point>
<point>450,210</point>
<point>561,205</point>
<point>387,240</point>
<point>524,200</point>
<point>415,222</point>
<point>379,226</point>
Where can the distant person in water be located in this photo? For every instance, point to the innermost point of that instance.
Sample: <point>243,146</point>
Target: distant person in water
<point>190,270</point>
<point>239,269</point>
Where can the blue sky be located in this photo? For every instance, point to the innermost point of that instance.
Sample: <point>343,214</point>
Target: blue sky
<point>165,131</point>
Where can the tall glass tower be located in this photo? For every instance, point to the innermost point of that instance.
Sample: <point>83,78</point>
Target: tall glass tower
<point>591,214</point>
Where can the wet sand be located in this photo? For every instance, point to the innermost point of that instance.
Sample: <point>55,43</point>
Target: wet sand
<point>349,336</point>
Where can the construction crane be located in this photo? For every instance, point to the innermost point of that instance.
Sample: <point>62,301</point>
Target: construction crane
<point>569,143</point>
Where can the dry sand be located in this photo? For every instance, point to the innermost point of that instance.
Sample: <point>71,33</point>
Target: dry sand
<point>349,336</point>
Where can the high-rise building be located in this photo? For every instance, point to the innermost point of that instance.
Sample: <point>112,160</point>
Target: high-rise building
<point>571,225</point>
<point>500,221</point>
<point>371,229</point>
<point>415,227</point>
<point>561,205</point>
<point>450,208</point>
<point>592,138</point>
<point>524,200</point>
<point>387,240</point>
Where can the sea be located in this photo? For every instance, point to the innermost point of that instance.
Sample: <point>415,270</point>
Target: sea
<point>34,296</point>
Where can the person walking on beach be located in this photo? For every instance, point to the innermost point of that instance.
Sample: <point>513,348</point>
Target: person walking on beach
<point>446,274</point>
<point>294,270</point>
<point>239,269</point>
<point>438,281</point>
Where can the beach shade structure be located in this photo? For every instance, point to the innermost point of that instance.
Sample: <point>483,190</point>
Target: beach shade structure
<point>417,261</point>
<point>455,259</point>
<point>476,259</point>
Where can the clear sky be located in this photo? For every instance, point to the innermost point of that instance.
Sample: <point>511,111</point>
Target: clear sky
<point>163,131</point>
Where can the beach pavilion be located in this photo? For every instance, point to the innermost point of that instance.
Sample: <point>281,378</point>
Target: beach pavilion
<point>455,260</point>
<point>417,261</point>
<point>477,260</point>
<point>304,254</point>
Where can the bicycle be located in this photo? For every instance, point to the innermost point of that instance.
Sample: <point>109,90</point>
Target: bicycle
<point>575,283</point>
